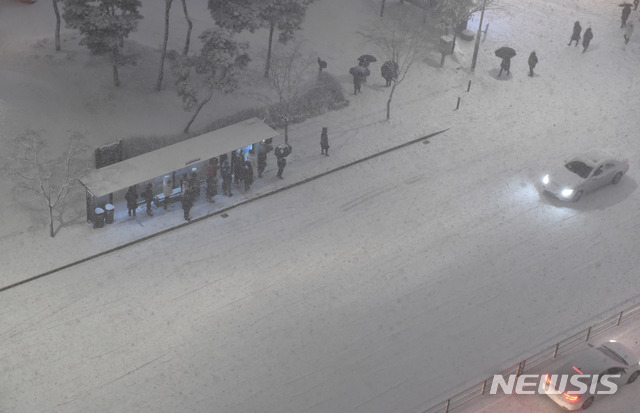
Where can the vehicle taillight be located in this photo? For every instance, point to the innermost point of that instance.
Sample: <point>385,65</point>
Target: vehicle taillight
<point>547,380</point>
<point>571,397</point>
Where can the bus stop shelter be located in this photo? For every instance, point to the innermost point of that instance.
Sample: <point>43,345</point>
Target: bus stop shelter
<point>101,183</point>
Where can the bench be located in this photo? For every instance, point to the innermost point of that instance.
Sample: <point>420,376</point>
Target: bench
<point>161,201</point>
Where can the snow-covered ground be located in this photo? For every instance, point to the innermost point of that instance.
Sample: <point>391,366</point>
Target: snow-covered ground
<point>381,287</point>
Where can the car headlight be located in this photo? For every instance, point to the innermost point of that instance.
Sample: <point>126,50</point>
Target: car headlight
<point>545,180</point>
<point>567,192</point>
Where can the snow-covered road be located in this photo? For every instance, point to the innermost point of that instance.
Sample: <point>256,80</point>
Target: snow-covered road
<point>374,289</point>
<point>379,288</point>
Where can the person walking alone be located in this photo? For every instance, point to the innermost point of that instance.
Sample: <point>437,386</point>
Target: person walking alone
<point>533,61</point>
<point>577,29</point>
<point>626,11</point>
<point>588,35</point>
<point>505,65</point>
<point>324,141</point>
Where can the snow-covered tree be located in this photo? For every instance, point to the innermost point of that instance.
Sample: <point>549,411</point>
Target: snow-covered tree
<point>289,72</point>
<point>458,12</point>
<point>50,181</point>
<point>216,67</point>
<point>104,24</point>
<point>399,41</point>
<point>286,16</point>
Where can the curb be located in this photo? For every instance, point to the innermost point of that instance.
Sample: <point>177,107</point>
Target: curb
<point>218,212</point>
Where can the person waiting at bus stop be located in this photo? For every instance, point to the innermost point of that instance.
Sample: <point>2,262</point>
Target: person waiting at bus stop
<point>147,195</point>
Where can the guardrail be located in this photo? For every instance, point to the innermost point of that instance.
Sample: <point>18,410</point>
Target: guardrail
<point>479,389</point>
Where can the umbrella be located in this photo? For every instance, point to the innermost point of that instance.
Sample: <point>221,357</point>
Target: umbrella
<point>505,52</point>
<point>367,58</point>
<point>284,149</point>
<point>389,68</point>
<point>359,71</point>
<point>625,4</point>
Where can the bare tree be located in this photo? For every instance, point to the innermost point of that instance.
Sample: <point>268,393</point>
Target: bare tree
<point>400,42</point>
<point>217,67</point>
<point>50,181</point>
<point>290,71</point>
<point>163,53</point>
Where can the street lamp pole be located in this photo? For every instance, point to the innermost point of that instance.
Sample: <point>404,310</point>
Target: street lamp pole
<point>477,45</point>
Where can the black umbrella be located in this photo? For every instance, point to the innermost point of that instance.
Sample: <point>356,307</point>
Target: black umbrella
<point>390,68</point>
<point>359,71</point>
<point>625,4</point>
<point>367,58</point>
<point>505,52</point>
<point>284,149</point>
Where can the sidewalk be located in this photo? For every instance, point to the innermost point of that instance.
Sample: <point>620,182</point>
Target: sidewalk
<point>348,137</point>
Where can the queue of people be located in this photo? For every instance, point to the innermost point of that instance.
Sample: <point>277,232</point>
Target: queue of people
<point>236,172</point>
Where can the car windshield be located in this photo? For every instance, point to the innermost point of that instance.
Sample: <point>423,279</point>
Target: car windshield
<point>580,168</point>
<point>612,355</point>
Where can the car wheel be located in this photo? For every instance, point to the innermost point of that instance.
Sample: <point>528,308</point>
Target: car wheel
<point>577,196</point>
<point>587,403</point>
<point>633,377</point>
<point>616,178</point>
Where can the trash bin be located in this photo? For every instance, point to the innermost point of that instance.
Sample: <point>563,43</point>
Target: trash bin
<point>98,218</point>
<point>108,214</point>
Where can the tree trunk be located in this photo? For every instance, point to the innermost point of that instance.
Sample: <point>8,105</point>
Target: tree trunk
<point>268,65</point>
<point>57,13</point>
<point>200,106</point>
<point>382,9</point>
<point>185,51</point>
<point>51,233</point>
<point>393,88</point>
<point>116,78</point>
<point>163,54</point>
<point>286,131</point>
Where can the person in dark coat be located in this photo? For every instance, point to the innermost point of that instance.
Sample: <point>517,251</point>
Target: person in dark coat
<point>586,39</point>
<point>576,33</point>
<point>147,195</point>
<point>262,162</point>
<point>238,168</point>
<point>505,65</point>
<point>282,162</point>
<point>357,83</point>
<point>324,141</point>
<point>635,4</point>
<point>533,61</point>
<point>186,196</point>
<point>132,200</point>
<point>225,171</point>
<point>194,184</point>
<point>212,179</point>
<point>389,72</point>
<point>248,175</point>
<point>626,11</point>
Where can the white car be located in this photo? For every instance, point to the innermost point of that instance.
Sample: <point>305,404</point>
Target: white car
<point>611,358</point>
<point>585,173</point>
